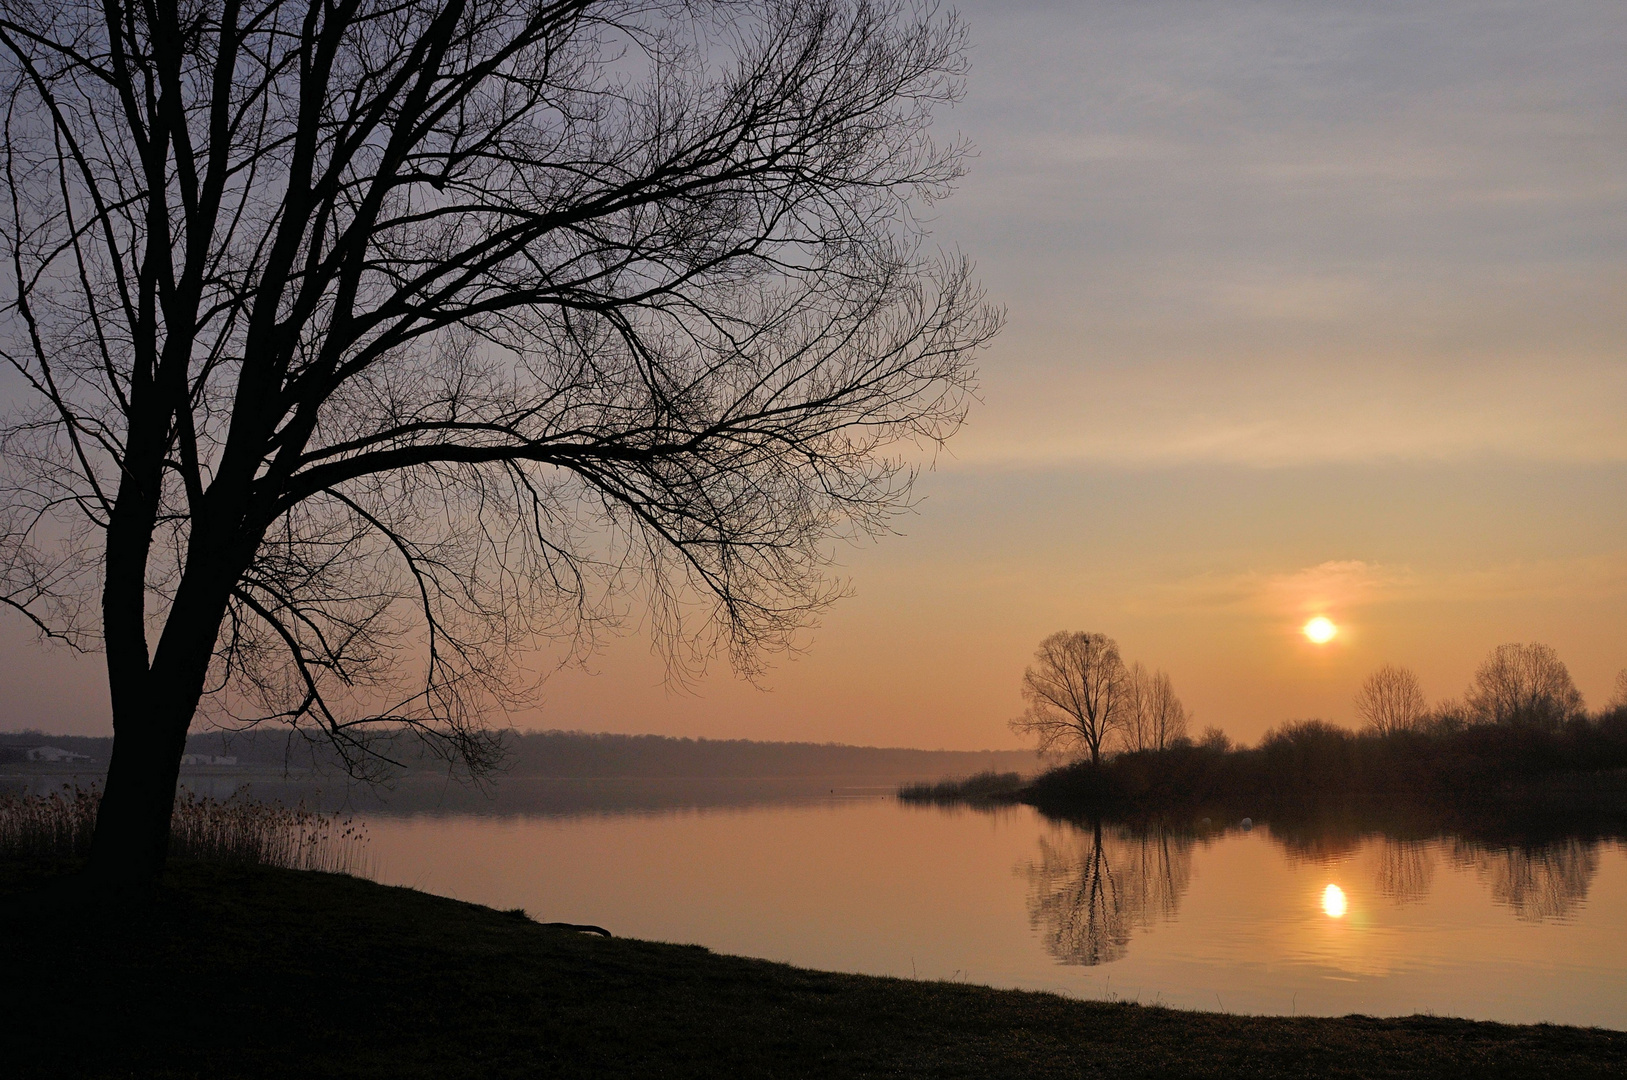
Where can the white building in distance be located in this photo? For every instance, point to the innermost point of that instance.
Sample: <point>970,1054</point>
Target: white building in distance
<point>208,759</point>
<point>55,755</point>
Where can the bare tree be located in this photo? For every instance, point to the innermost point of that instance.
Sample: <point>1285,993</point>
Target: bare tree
<point>1618,699</point>
<point>1391,700</point>
<point>1136,734</point>
<point>370,341</point>
<point>1523,684</point>
<point>1077,692</point>
<point>1154,716</point>
<point>1167,716</point>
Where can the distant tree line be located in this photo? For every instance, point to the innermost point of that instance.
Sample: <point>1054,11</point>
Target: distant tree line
<point>575,753</point>
<point>587,754</point>
<point>1520,685</point>
<point>13,744</point>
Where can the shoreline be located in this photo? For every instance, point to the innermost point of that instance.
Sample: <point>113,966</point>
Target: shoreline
<point>278,972</point>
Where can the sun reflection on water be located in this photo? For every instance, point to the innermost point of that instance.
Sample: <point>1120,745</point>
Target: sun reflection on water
<point>1333,902</point>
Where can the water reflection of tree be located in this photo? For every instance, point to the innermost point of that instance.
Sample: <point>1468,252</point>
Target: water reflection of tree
<point>1549,881</point>
<point>1092,885</point>
<point>1406,870</point>
<point>1537,879</point>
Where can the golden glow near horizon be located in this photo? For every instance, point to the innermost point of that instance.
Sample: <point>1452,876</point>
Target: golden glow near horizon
<point>1334,902</point>
<point>1320,630</point>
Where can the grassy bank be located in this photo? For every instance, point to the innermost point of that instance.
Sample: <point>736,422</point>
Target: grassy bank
<point>242,971</point>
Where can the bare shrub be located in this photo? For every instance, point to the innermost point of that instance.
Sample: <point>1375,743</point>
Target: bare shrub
<point>1446,717</point>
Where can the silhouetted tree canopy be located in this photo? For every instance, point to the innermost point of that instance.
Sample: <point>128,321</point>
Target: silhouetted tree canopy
<point>1156,716</point>
<point>1391,699</point>
<point>1523,684</point>
<point>1077,692</point>
<point>369,341</point>
<point>1082,698</point>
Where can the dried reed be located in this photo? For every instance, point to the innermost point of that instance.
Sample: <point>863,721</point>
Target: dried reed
<point>254,833</point>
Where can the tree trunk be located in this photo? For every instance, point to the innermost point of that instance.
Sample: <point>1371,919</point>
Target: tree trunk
<point>153,706</point>
<point>132,825</point>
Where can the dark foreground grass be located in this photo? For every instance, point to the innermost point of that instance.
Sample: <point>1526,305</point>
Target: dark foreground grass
<point>258,972</point>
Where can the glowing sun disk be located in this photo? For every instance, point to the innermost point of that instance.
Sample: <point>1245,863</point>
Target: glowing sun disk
<point>1333,902</point>
<point>1320,629</point>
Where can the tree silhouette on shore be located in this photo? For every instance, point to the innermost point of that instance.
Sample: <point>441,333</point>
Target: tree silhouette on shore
<point>370,342</point>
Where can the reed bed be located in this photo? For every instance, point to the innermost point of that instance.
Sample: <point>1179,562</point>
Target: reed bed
<point>241,832</point>
<point>984,785</point>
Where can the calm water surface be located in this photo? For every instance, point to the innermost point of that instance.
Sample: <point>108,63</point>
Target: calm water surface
<point>1235,920</point>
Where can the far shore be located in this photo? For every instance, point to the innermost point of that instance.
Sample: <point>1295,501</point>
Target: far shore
<point>1507,780</point>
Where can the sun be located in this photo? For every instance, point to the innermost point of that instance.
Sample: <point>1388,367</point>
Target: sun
<point>1320,629</point>
<point>1333,902</point>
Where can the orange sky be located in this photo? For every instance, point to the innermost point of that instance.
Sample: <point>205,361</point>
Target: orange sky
<point>1312,309</point>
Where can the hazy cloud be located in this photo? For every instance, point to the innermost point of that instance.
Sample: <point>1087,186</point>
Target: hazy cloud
<point>1347,585</point>
<point>1270,233</point>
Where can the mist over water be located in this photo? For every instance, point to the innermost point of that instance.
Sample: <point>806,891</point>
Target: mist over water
<point>1218,918</point>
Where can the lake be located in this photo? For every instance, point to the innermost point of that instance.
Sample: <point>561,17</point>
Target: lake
<point>846,878</point>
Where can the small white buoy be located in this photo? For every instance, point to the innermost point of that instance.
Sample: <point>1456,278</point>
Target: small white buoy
<point>1247,823</point>
<point>1206,823</point>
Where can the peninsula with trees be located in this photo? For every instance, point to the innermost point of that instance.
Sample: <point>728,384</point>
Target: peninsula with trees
<point>1518,751</point>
